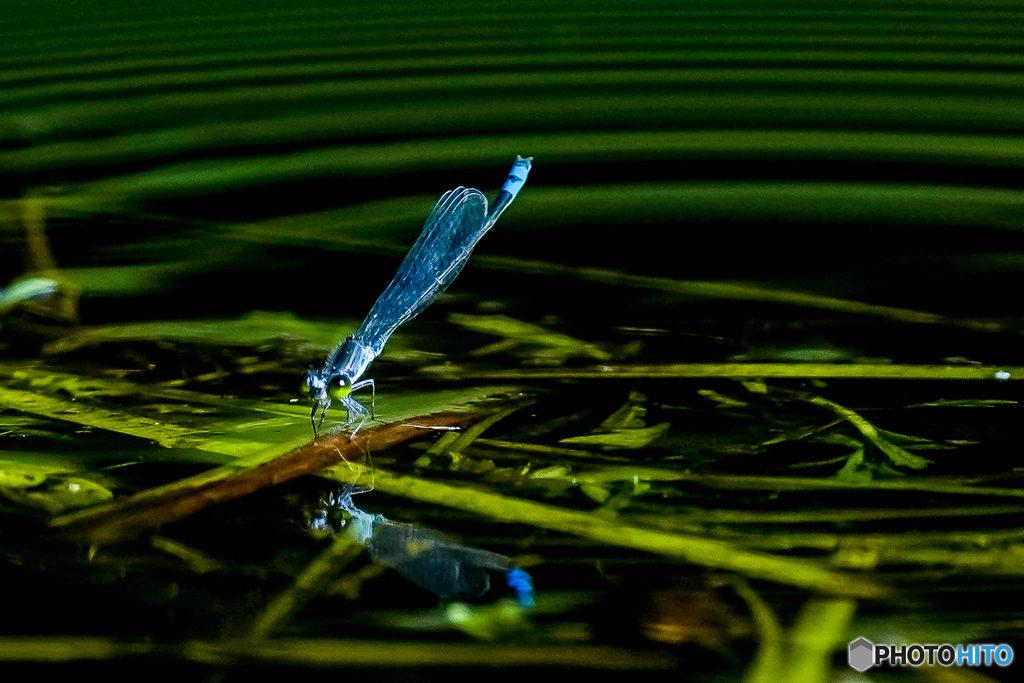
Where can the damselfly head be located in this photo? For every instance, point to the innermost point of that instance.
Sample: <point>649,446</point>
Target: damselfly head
<point>313,385</point>
<point>318,524</point>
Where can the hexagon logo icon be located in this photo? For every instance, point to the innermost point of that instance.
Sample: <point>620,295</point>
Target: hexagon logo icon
<point>862,654</point>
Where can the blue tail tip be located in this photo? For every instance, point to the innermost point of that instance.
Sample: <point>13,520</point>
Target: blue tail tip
<point>521,584</point>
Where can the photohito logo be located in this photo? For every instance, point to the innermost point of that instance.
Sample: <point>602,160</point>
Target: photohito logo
<point>864,654</point>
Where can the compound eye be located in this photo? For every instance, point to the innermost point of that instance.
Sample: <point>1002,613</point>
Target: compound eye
<point>339,387</point>
<point>312,384</point>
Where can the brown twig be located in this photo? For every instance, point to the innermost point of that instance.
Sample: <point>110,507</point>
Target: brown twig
<point>148,510</point>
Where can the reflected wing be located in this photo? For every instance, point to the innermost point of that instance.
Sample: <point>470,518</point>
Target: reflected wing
<point>425,557</point>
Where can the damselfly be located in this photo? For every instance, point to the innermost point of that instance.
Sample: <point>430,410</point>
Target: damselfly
<point>459,219</point>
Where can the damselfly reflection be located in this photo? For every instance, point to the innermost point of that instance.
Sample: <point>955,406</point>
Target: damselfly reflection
<point>426,557</point>
<point>459,219</point>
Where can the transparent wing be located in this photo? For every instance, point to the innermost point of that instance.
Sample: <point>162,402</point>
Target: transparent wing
<point>454,227</point>
<point>431,561</point>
